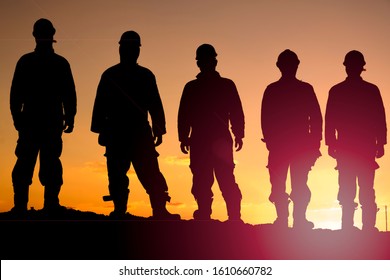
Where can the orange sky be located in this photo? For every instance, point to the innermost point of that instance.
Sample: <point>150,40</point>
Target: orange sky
<point>248,38</point>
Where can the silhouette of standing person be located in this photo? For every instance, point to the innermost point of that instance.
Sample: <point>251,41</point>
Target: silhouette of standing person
<point>355,133</point>
<point>208,106</point>
<point>43,105</point>
<point>291,123</point>
<point>126,94</point>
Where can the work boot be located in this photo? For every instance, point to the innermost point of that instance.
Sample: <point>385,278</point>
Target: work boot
<point>199,216</point>
<point>18,213</point>
<point>160,211</point>
<point>347,217</point>
<point>117,215</point>
<point>234,209</point>
<point>51,206</point>
<point>20,201</point>
<point>51,200</point>
<point>369,218</point>
<point>299,216</point>
<point>303,224</point>
<point>282,214</point>
<point>163,214</point>
<point>203,213</point>
<point>120,204</point>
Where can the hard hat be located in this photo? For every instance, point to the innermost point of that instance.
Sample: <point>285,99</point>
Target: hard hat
<point>354,58</point>
<point>130,37</point>
<point>43,29</point>
<point>287,57</point>
<point>205,51</point>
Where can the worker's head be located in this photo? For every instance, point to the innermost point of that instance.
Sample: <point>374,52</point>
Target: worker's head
<point>354,63</point>
<point>288,63</point>
<point>129,47</point>
<point>206,57</point>
<point>43,31</point>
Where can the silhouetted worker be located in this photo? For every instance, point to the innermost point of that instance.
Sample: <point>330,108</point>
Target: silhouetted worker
<point>291,123</point>
<point>127,92</point>
<point>208,106</point>
<point>355,132</point>
<point>43,105</point>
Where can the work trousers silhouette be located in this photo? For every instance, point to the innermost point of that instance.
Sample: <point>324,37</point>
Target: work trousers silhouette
<point>120,155</point>
<point>48,145</point>
<point>352,172</point>
<point>300,165</point>
<point>214,158</point>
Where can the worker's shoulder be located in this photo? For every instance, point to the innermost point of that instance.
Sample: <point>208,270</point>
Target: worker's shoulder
<point>144,70</point>
<point>227,81</point>
<point>32,58</point>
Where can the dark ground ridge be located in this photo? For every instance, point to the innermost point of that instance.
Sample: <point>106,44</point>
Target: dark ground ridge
<point>74,234</point>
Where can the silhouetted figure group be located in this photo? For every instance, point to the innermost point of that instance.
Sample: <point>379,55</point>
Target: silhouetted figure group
<point>211,124</point>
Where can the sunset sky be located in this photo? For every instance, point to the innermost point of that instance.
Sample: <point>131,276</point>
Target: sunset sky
<point>248,36</point>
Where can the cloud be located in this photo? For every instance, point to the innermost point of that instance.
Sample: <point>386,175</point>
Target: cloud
<point>101,167</point>
<point>96,166</point>
<point>175,160</point>
<point>177,204</point>
<point>325,210</point>
<point>182,160</point>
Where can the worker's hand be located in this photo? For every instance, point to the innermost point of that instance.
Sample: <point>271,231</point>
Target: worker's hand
<point>185,147</point>
<point>19,122</point>
<point>380,151</point>
<point>332,152</point>
<point>68,125</point>
<point>238,144</point>
<point>267,144</point>
<point>102,139</point>
<point>157,140</point>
